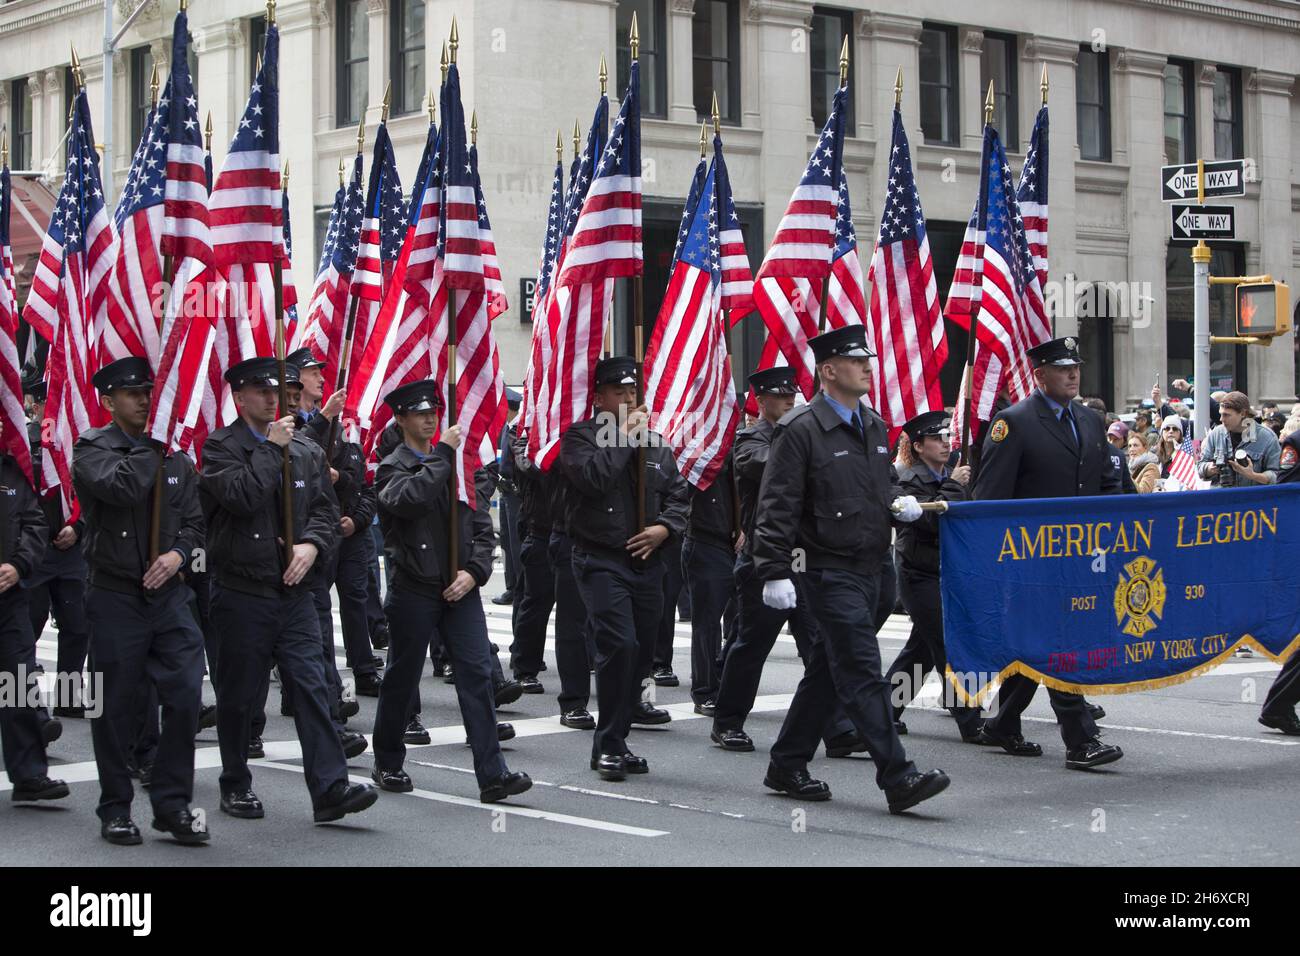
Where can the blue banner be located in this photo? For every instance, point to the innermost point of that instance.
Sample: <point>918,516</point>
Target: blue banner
<point>1119,593</point>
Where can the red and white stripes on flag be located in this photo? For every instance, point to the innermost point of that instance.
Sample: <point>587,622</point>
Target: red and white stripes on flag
<point>13,437</point>
<point>327,314</point>
<point>1182,467</point>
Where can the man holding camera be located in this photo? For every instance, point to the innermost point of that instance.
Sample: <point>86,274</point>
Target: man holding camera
<point>1239,452</point>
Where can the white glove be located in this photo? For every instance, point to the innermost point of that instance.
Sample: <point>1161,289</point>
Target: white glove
<point>780,594</point>
<point>906,509</point>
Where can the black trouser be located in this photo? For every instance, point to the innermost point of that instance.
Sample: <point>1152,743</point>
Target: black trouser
<point>534,599</point>
<point>624,606</point>
<point>574,638</point>
<point>1285,692</point>
<point>671,556</point>
<point>843,665</point>
<point>924,650</point>
<point>709,571</point>
<point>412,618</point>
<point>138,642</point>
<point>1077,725</point>
<point>58,589</point>
<point>20,725</point>
<point>509,536</point>
<point>320,599</point>
<point>200,584</point>
<point>350,573</point>
<point>255,631</point>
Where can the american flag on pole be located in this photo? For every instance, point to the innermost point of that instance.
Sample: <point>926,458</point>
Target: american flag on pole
<point>1182,467</point>
<point>557,302</point>
<point>606,244</point>
<point>541,286</point>
<point>13,439</point>
<point>187,333</point>
<point>81,232</point>
<point>787,288</point>
<point>327,314</point>
<point>690,391</point>
<point>292,331</point>
<point>906,327</point>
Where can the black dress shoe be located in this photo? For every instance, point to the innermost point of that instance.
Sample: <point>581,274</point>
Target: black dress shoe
<point>530,684</point>
<point>900,728</point>
<point>504,732</point>
<point>38,788</point>
<point>735,739</point>
<point>646,713</point>
<point>1289,724</point>
<point>1014,744</point>
<point>511,784</point>
<point>973,734</point>
<point>1095,711</point>
<point>207,716</point>
<point>242,804</point>
<point>394,781</point>
<point>609,766</point>
<point>181,825</point>
<point>796,783</point>
<point>51,730</point>
<point>578,719</point>
<point>504,598</point>
<point>354,744</point>
<point>286,709</point>
<point>634,764</point>
<point>448,673</point>
<point>344,798</point>
<point>379,639</point>
<point>915,788</point>
<point>366,685</point>
<point>120,831</point>
<point>256,749</point>
<point>842,745</point>
<point>1094,753</point>
<point>415,734</point>
<point>707,709</point>
<point>74,711</point>
<point>664,677</point>
<point>508,692</point>
<point>349,708</point>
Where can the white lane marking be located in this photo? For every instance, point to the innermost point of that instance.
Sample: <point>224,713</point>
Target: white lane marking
<point>586,822</point>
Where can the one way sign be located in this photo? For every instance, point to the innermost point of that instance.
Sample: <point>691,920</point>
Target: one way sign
<point>1224,178</point>
<point>1203,222</point>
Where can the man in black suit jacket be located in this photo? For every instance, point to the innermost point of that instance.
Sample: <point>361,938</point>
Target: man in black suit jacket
<point>1047,446</point>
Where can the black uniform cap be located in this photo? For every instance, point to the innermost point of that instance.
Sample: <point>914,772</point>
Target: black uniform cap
<point>421,396</point>
<point>778,380</point>
<point>129,372</point>
<point>259,370</point>
<point>848,340</point>
<point>927,423</point>
<point>616,370</point>
<point>304,359</point>
<point>292,373</point>
<point>1064,352</point>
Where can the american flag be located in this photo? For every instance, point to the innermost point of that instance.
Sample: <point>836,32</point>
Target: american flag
<point>906,326</point>
<point>247,229</point>
<point>1182,467</point>
<point>13,438</point>
<point>81,232</point>
<point>606,244</point>
<point>690,392</point>
<point>292,331</point>
<point>688,211</point>
<point>187,332</point>
<point>541,286</point>
<point>787,287</point>
<point>327,314</point>
<point>557,302</point>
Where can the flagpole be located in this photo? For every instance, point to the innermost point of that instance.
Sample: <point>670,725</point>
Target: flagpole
<point>169,276</point>
<point>826,279</point>
<point>726,333</point>
<point>638,317</point>
<point>968,398</point>
<point>349,329</point>
<point>608,346</point>
<point>453,511</point>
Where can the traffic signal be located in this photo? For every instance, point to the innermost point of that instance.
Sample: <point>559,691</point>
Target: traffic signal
<point>1263,309</point>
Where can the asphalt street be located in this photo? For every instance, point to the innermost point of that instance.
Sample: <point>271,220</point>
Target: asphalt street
<point>1201,783</point>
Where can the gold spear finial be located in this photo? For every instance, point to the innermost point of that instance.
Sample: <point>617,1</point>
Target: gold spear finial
<point>1043,84</point>
<point>207,133</point>
<point>989,105</point>
<point>153,85</point>
<point>455,39</point>
<point>388,99</point>
<point>704,127</point>
<point>898,88</point>
<point>559,146</point>
<point>76,70</point>
<point>604,76</point>
<point>577,139</point>
<point>432,115</point>
<point>284,176</point>
<point>444,61</point>
<point>634,37</point>
<point>184,5</point>
<point>717,116</point>
<point>473,128</point>
<point>361,134</point>
<point>340,172</point>
<point>844,60</point>
<point>270,13</point>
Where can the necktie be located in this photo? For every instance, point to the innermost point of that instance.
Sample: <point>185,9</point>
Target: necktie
<point>857,426</point>
<point>1067,423</point>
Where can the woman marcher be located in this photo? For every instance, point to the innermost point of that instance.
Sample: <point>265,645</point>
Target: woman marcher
<point>1142,464</point>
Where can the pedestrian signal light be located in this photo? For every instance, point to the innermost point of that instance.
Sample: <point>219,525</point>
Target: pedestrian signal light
<point>1263,309</point>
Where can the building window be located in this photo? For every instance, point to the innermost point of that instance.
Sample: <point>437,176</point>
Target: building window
<point>716,42</point>
<point>1227,114</point>
<point>353,41</point>
<point>408,55</point>
<point>140,92</point>
<point>1180,113</point>
<point>1092,86</point>
<point>1227,362</point>
<point>652,27</point>
<point>20,105</point>
<point>256,45</point>
<point>939,88</point>
<point>69,96</point>
<point>829,28</point>
<point>998,64</point>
